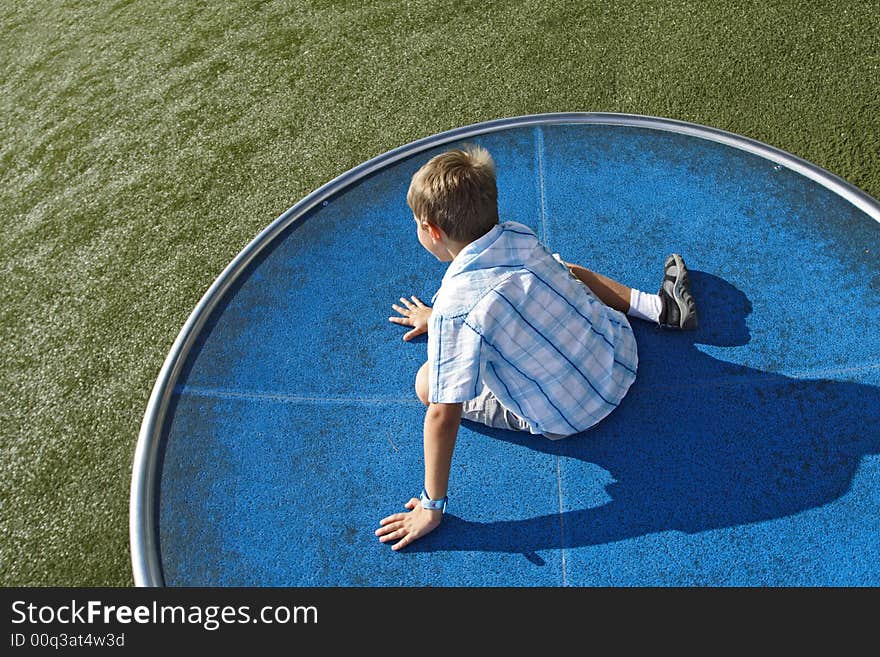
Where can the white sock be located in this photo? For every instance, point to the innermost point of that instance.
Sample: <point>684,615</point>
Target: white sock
<point>644,306</point>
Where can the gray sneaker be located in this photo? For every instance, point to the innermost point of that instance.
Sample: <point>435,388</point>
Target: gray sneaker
<point>679,308</point>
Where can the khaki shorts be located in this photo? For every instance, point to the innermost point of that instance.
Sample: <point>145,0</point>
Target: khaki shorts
<point>486,409</point>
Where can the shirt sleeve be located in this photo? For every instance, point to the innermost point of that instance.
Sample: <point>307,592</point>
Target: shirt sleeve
<point>454,351</point>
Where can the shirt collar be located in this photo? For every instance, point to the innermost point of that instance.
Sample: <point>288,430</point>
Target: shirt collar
<point>472,251</point>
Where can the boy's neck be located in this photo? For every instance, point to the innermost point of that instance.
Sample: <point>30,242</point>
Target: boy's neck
<point>454,248</point>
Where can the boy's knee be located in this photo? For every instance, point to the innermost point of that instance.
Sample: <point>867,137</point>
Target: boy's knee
<point>422,384</point>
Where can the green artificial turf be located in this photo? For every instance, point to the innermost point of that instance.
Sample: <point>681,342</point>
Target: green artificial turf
<point>144,144</point>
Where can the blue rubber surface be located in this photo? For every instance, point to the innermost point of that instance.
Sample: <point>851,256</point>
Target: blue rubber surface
<point>746,453</point>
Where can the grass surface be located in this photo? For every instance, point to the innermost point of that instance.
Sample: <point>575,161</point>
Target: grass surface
<point>144,144</point>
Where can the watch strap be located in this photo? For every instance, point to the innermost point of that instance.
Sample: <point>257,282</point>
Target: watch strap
<point>433,505</point>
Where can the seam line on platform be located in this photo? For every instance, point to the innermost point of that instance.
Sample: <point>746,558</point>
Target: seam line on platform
<point>539,148</point>
<point>760,377</point>
<point>198,391</point>
<point>561,519</point>
<point>864,367</point>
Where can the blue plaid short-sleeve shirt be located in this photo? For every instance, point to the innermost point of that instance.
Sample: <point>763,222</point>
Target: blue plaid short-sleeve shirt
<point>509,316</point>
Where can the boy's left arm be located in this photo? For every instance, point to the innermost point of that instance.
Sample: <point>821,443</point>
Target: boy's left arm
<point>441,429</point>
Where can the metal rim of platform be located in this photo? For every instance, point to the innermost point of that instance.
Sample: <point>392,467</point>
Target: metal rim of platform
<point>143,538</point>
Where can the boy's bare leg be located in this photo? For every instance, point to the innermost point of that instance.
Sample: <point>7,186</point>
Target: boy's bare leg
<point>672,307</point>
<point>609,291</point>
<point>422,388</point>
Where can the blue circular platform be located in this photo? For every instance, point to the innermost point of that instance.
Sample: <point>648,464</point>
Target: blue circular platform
<point>284,424</point>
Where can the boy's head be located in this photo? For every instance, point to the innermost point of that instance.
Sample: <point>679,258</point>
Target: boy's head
<point>456,191</point>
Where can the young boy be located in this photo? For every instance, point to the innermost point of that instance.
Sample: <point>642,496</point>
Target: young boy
<point>517,339</point>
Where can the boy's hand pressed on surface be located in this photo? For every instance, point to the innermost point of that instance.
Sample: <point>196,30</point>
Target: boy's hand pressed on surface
<point>413,313</point>
<point>408,526</point>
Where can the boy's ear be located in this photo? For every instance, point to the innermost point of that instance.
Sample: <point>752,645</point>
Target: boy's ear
<point>434,231</point>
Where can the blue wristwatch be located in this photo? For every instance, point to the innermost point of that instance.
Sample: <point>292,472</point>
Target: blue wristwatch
<point>433,505</point>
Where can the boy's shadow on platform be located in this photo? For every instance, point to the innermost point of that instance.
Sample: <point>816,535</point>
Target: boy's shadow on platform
<point>697,444</point>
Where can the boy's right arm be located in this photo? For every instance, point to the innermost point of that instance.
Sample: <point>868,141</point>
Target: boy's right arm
<point>440,432</point>
<point>413,313</point>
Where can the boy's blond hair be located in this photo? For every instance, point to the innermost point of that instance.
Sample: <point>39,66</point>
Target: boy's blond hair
<point>456,190</point>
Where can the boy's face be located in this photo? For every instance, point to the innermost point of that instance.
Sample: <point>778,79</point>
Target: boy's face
<point>431,238</point>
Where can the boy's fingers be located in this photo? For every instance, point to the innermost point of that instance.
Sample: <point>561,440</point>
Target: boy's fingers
<point>406,540</point>
<point>406,303</point>
<point>418,301</point>
<point>415,332</point>
<point>402,311</point>
<point>388,529</point>
<point>392,536</point>
<point>406,321</point>
<point>387,519</point>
